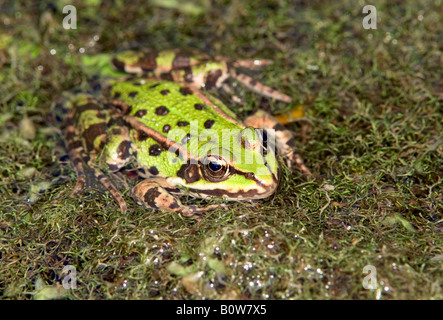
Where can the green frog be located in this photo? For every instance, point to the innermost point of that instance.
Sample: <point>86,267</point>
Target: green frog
<point>164,127</point>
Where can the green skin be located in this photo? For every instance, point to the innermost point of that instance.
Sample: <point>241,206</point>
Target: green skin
<point>144,122</point>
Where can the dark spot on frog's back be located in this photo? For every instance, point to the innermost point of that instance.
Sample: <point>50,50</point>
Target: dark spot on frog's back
<point>199,106</point>
<point>155,150</point>
<point>209,123</point>
<point>153,170</point>
<point>161,111</point>
<point>166,128</point>
<point>133,94</point>
<point>185,91</point>
<point>141,135</point>
<point>140,113</point>
<point>182,123</point>
<point>164,92</point>
<point>189,172</point>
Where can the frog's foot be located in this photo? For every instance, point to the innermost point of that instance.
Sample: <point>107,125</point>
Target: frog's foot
<point>152,195</point>
<point>112,189</point>
<point>258,87</point>
<point>284,139</point>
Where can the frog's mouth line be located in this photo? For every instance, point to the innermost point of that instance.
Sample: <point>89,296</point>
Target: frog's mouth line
<point>252,176</point>
<point>237,195</point>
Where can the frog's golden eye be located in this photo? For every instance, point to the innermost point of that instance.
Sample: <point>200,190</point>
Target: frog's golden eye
<point>215,168</point>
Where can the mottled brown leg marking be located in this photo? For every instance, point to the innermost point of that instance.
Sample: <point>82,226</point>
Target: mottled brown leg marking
<point>152,195</point>
<point>258,87</point>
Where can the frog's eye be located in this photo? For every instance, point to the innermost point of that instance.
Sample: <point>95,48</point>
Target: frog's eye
<point>215,168</point>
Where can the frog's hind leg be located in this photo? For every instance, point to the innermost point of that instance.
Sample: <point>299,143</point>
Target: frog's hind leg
<point>155,195</point>
<point>258,87</point>
<point>284,139</point>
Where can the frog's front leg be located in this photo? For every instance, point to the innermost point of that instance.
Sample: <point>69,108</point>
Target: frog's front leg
<point>284,139</point>
<point>152,194</point>
<point>86,136</point>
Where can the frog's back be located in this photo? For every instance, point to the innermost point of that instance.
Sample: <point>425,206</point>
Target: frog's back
<point>164,105</point>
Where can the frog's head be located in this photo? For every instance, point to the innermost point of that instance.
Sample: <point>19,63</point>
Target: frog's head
<point>245,167</point>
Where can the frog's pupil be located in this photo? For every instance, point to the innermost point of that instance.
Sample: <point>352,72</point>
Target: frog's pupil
<point>265,137</point>
<point>215,166</point>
